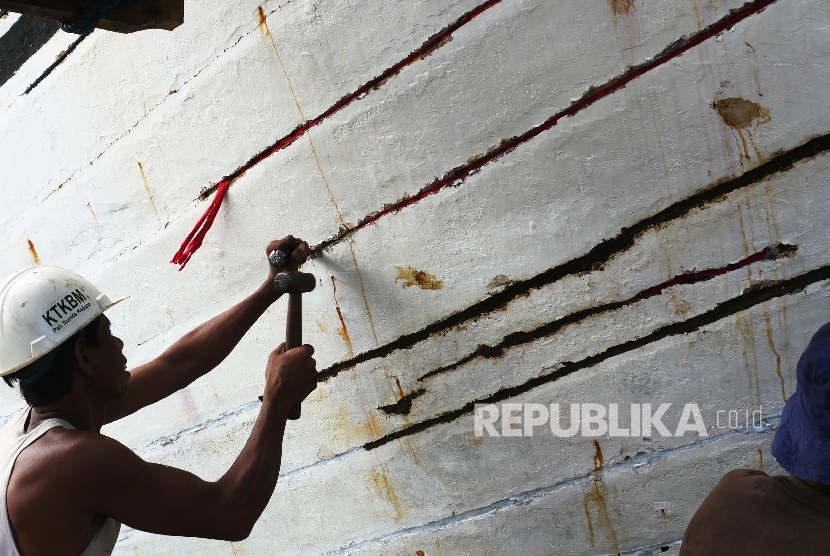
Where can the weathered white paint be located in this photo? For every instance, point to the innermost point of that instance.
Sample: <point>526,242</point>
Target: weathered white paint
<point>516,212</point>
<point>444,473</point>
<point>102,165</point>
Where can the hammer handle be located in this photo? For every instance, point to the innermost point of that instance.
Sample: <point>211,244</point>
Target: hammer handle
<point>294,335</point>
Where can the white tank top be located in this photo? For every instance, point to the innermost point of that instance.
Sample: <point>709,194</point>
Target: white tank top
<point>13,441</point>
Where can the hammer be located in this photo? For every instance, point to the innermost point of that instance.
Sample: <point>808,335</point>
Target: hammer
<point>295,284</point>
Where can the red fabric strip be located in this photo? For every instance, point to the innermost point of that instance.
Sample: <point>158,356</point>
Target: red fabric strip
<point>194,239</point>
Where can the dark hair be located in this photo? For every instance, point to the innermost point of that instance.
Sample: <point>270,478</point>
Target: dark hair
<point>56,381</point>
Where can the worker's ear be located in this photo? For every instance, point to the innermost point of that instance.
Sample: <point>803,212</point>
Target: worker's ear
<point>83,361</point>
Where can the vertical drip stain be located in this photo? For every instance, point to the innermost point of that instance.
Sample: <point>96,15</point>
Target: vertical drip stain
<point>596,497</point>
<point>149,192</point>
<point>33,252</point>
<point>383,487</point>
<point>266,32</point>
<point>363,293</point>
<point>768,326</point>
<point>342,331</point>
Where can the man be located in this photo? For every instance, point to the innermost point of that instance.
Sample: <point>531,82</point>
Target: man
<point>65,486</point>
<point>750,512</point>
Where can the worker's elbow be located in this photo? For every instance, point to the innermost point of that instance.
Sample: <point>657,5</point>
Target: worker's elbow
<point>239,534</point>
<point>242,523</point>
<point>237,514</point>
<point>236,530</point>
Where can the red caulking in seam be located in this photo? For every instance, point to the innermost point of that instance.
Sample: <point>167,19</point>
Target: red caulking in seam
<point>194,240</point>
<point>458,174</point>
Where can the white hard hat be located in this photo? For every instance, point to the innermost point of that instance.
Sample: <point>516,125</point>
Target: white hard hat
<point>40,308</point>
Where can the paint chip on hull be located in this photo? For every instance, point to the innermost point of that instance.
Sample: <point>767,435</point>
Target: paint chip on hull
<point>498,283</point>
<point>622,7</point>
<point>414,277</point>
<point>739,113</point>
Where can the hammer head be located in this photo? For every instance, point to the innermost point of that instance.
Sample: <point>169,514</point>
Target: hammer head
<point>279,259</point>
<point>294,282</point>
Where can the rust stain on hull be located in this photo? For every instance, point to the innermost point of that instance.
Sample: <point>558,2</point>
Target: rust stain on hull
<point>739,113</point>
<point>768,326</point>
<point>342,331</point>
<point>596,498</point>
<point>599,460</point>
<point>414,277</point>
<point>403,407</point>
<point>744,325</point>
<point>363,293</point>
<point>398,385</point>
<point>383,487</point>
<point>263,22</point>
<point>93,213</point>
<point>371,428</point>
<point>33,252</point>
<point>697,16</point>
<point>265,31</point>
<point>407,445</point>
<point>148,190</point>
<point>622,7</point>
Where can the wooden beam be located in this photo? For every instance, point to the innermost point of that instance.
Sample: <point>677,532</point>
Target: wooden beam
<point>147,14</point>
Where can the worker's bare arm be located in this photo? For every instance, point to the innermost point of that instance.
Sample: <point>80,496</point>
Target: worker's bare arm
<point>205,347</point>
<point>113,481</point>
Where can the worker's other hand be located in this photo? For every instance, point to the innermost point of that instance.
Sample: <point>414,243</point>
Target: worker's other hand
<point>294,246</point>
<point>291,375</point>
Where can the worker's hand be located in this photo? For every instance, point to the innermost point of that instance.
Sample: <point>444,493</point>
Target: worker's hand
<point>297,248</point>
<point>291,375</point>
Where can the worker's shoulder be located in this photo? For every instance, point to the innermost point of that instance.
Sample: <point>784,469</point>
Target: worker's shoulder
<point>739,482</point>
<point>739,478</point>
<point>740,474</point>
<point>63,451</point>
